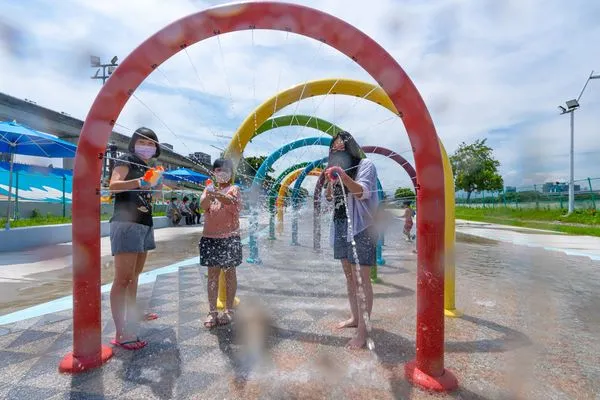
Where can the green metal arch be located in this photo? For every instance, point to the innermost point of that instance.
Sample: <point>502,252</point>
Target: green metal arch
<point>298,120</point>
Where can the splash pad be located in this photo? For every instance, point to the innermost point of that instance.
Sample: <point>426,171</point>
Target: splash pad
<point>88,352</point>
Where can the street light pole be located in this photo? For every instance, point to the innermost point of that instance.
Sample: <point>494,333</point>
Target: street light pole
<point>572,169</point>
<point>107,69</point>
<point>219,148</point>
<point>573,105</point>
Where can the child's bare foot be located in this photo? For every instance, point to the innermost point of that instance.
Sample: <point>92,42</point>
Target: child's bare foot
<point>356,343</point>
<point>349,323</point>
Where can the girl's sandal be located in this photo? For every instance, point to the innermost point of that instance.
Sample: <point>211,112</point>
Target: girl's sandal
<point>212,320</point>
<point>226,318</point>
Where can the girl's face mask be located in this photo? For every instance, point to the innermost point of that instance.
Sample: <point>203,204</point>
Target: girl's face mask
<point>145,151</point>
<point>223,176</point>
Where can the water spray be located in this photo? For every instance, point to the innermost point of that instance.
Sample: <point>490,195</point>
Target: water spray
<point>361,293</point>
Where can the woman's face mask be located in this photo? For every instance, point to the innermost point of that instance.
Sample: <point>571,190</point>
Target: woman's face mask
<point>338,145</point>
<point>145,151</point>
<point>223,176</point>
<point>340,159</point>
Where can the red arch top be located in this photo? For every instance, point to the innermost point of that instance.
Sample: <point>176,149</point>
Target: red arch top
<point>276,16</point>
<point>396,157</point>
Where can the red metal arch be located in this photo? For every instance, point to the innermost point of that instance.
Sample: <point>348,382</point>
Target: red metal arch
<point>428,369</point>
<point>382,151</point>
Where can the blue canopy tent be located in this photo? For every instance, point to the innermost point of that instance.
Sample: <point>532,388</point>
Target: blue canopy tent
<point>19,139</point>
<point>184,174</point>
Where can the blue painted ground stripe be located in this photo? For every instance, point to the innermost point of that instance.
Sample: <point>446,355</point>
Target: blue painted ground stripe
<point>66,303</point>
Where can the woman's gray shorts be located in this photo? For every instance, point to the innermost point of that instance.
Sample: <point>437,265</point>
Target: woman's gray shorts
<point>366,245</point>
<point>130,237</point>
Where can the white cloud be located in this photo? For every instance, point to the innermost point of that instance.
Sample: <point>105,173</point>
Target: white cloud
<point>485,69</point>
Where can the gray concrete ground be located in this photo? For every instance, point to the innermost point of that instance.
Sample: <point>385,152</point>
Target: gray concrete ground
<point>530,331</point>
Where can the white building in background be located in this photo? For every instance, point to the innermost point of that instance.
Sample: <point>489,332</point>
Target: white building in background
<point>201,158</point>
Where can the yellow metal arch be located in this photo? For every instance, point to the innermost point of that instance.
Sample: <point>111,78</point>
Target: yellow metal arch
<point>285,184</point>
<point>371,93</point>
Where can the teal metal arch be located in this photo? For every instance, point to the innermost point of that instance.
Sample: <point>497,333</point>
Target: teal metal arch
<point>327,128</point>
<point>259,180</point>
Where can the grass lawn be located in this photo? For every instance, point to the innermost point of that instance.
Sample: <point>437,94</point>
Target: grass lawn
<point>54,220</point>
<point>581,222</point>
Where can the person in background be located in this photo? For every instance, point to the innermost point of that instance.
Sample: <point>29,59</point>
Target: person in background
<point>348,167</point>
<point>195,209</point>
<point>131,234</point>
<point>409,214</point>
<point>184,208</point>
<point>173,213</point>
<point>221,246</point>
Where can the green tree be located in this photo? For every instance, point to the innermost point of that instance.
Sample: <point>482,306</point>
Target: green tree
<point>475,168</point>
<point>404,193</point>
<point>248,167</point>
<point>302,195</point>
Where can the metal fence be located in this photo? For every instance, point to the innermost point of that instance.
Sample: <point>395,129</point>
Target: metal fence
<point>52,193</point>
<point>551,195</point>
<point>36,194</point>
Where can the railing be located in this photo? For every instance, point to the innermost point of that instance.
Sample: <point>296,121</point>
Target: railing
<point>545,196</point>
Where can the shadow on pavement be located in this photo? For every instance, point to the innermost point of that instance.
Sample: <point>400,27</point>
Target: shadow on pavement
<point>511,339</point>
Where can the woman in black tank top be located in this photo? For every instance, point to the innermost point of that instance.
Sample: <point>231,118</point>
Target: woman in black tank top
<point>131,234</point>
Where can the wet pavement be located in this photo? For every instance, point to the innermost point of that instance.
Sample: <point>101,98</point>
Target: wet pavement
<point>576,245</point>
<point>529,331</point>
<point>43,274</point>
<point>587,246</point>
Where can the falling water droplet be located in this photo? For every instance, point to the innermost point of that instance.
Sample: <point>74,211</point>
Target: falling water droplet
<point>370,344</point>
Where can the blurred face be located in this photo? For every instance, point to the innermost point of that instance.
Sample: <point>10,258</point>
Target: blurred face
<point>222,175</point>
<point>338,144</point>
<point>145,148</point>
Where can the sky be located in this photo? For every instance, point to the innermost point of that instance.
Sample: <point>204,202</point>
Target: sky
<point>486,70</point>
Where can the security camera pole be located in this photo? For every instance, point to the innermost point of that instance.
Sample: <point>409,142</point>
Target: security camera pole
<point>573,105</point>
<point>107,69</point>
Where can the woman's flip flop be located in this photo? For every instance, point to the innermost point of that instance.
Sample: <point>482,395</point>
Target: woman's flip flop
<point>136,344</point>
